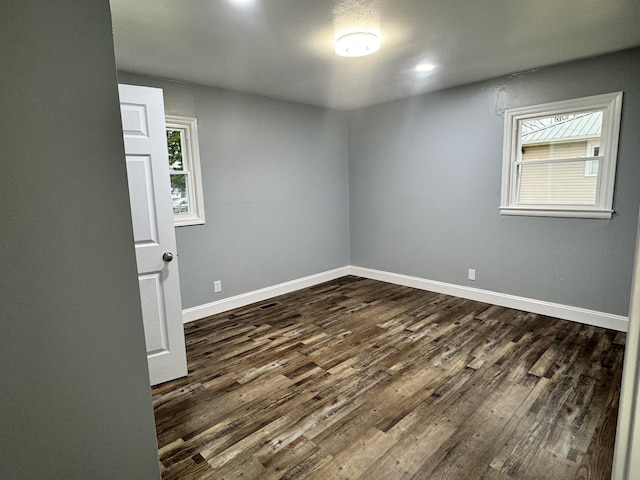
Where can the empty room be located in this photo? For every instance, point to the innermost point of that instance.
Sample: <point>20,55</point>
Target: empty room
<point>303,239</point>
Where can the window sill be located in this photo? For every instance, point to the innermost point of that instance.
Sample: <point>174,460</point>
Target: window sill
<point>556,212</point>
<point>187,220</point>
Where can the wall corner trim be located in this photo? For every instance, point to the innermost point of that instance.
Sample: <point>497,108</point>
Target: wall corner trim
<point>566,312</point>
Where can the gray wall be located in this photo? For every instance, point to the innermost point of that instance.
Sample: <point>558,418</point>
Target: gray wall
<point>275,190</point>
<point>75,401</point>
<point>425,176</point>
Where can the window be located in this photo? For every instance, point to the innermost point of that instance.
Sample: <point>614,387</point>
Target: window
<point>184,170</point>
<point>559,158</point>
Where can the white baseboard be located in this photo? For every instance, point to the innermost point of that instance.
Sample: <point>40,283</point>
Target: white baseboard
<point>566,312</point>
<point>226,304</point>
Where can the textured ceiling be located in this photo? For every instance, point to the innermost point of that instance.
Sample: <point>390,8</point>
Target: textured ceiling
<point>284,48</point>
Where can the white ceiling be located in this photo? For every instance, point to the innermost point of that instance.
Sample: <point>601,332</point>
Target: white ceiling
<point>284,48</point>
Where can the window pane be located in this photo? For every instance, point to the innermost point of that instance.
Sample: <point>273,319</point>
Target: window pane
<point>591,168</point>
<point>561,136</point>
<point>180,194</point>
<point>174,144</point>
<point>563,183</point>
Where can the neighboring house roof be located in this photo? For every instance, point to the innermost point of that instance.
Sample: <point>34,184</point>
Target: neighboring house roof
<point>583,126</point>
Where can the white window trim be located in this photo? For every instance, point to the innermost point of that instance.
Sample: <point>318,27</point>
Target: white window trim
<point>191,163</point>
<point>611,104</point>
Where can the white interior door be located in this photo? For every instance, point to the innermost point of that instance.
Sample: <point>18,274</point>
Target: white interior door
<point>145,144</point>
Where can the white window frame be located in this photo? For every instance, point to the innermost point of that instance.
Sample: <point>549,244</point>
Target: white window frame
<point>611,106</point>
<point>191,168</point>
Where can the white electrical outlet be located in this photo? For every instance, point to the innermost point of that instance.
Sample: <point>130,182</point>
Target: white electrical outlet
<point>217,286</point>
<point>472,274</point>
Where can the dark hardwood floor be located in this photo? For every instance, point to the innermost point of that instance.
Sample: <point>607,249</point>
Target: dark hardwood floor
<point>358,379</point>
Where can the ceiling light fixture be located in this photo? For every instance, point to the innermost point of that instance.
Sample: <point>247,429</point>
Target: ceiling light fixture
<point>425,67</point>
<point>357,44</point>
<point>242,3</point>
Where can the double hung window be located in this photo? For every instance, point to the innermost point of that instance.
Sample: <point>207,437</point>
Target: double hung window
<point>184,170</point>
<point>559,158</point>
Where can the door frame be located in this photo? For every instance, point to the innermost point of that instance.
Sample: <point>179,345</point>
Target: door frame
<point>626,460</point>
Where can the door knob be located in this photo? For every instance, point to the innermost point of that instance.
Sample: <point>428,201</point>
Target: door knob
<point>167,256</point>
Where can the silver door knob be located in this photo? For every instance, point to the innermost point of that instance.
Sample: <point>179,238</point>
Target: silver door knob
<point>167,256</point>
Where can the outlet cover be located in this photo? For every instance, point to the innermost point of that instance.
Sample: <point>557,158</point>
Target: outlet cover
<point>472,274</point>
<point>217,286</point>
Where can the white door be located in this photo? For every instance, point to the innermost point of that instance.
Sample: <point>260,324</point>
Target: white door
<point>145,144</point>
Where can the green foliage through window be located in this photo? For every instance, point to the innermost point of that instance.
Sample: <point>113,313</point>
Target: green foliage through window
<point>179,183</point>
<point>174,142</point>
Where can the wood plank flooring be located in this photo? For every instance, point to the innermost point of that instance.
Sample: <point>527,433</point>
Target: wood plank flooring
<point>358,379</point>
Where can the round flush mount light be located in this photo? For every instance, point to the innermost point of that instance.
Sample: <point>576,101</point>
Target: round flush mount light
<point>242,3</point>
<point>424,67</point>
<point>357,44</point>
